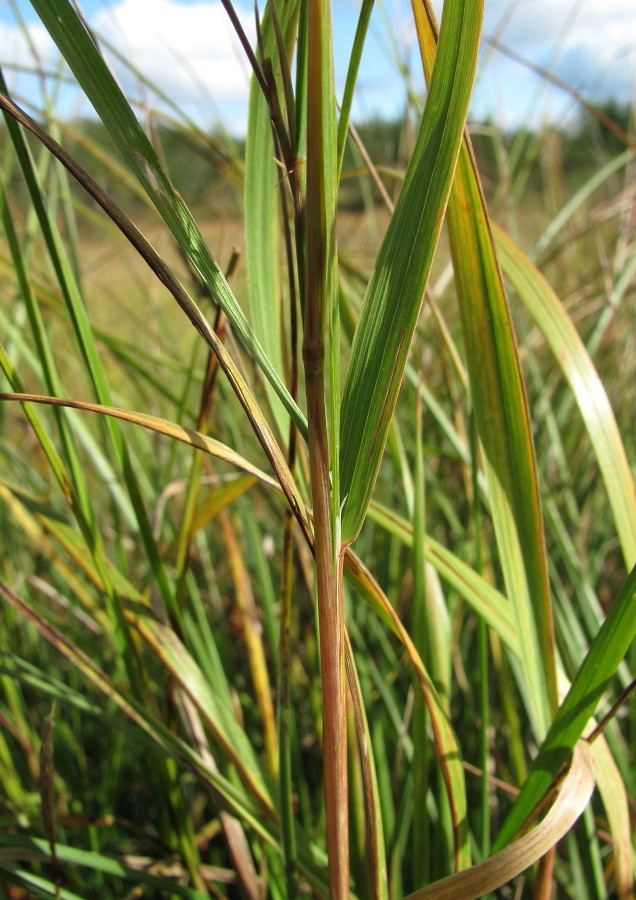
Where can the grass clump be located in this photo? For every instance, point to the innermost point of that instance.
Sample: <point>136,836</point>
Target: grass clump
<point>319,553</point>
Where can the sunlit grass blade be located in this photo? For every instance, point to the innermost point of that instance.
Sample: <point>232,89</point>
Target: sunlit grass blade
<point>94,77</point>
<point>375,855</point>
<point>164,738</point>
<point>565,214</point>
<point>593,678</point>
<point>615,798</point>
<point>494,872</point>
<point>161,426</point>
<point>571,355</point>
<point>486,600</point>
<point>366,8</point>
<point>153,259</point>
<point>252,631</point>
<point>502,415</point>
<point>395,292</point>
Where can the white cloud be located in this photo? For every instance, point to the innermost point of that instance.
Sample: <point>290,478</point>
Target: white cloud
<point>24,52</point>
<point>189,51</point>
<point>586,42</point>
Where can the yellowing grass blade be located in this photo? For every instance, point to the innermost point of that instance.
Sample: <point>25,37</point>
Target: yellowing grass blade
<point>502,417</point>
<point>615,800</point>
<point>161,426</point>
<point>394,296</point>
<point>557,328</point>
<point>171,744</point>
<point>447,750</point>
<point>486,600</point>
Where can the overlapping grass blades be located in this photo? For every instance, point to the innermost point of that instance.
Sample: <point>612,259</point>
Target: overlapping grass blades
<point>187,615</point>
<point>502,415</point>
<point>92,73</point>
<point>396,290</point>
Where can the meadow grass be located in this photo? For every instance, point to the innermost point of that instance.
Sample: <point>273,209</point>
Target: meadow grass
<point>318,526</point>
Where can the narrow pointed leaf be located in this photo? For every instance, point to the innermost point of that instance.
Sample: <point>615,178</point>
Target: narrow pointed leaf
<point>161,426</point>
<point>262,217</point>
<point>494,872</point>
<point>502,415</point>
<point>222,720</point>
<point>486,600</point>
<point>395,292</point>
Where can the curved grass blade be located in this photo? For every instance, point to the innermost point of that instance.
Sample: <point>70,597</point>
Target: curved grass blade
<point>37,848</point>
<point>231,796</point>
<point>494,872</point>
<point>613,793</point>
<point>161,426</point>
<point>395,292</point>
<point>606,652</point>
<point>375,845</point>
<point>486,600</point>
<point>41,886</point>
<point>447,750</point>
<point>565,214</point>
<point>221,720</point>
<point>76,46</point>
<point>570,352</point>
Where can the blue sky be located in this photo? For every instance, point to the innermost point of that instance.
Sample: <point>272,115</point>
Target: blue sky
<point>187,48</point>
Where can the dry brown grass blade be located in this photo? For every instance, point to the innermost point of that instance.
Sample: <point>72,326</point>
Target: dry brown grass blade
<point>574,794</point>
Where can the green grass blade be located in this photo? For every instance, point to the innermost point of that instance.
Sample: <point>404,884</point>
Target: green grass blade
<point>571,355</point>
<point>161,426</point>
<point>592,679</point>
<point>95,79</point>
<point>41,887</point>
<point>375,845</point>
<point>262,217</point>
<point>503,420</point>
<point>487,602</point>
<point>395,292</point>
<point>70,856</point>
<point>366,8</point>
<point>162,736</point>
<point>446,745</point>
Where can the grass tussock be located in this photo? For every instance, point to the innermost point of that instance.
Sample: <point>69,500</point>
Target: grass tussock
<point>317,511</point>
